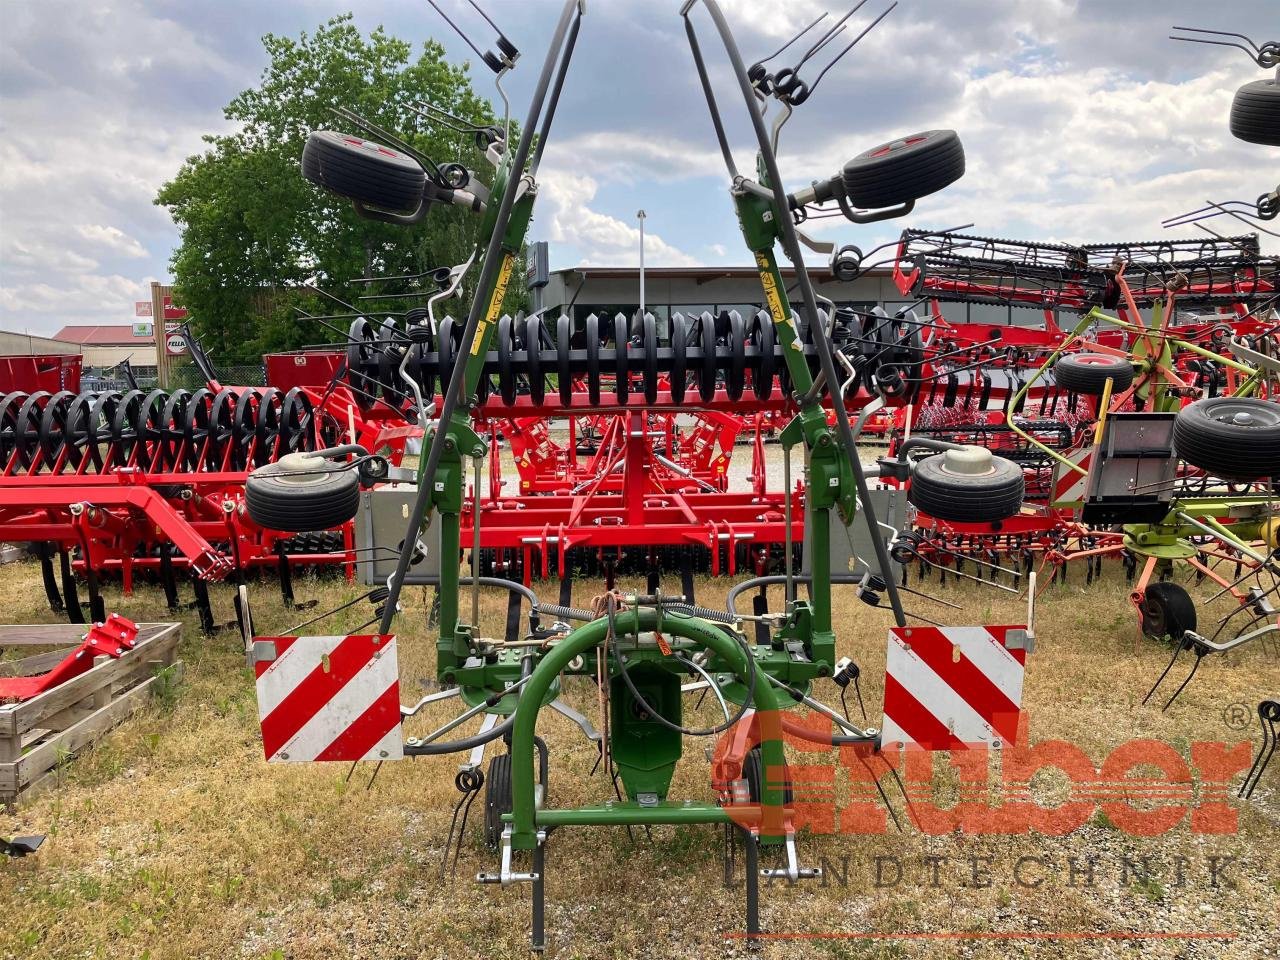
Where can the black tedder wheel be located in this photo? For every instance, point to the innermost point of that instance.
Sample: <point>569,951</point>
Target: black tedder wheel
<point>752,770</point>
<point>1236,438</point>
<point>904,170</point>
<point>363,171</point>
<point>497,799</point>
<point>967,486</point>
<point>1167,611</point>
<point>299,493</point>
<point>1255,112</point>
<point>1088,373</point>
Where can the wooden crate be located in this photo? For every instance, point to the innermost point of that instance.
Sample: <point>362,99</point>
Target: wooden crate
<point>40,734</point>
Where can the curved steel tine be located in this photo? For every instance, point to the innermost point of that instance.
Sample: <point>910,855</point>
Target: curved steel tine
<point>456,29</point>
<point>1216,208</point>
<point>1216,33</point>
<point>826,37</point>
<point>852,43</point>
<point>1242,219</point>
<point>792,40</point>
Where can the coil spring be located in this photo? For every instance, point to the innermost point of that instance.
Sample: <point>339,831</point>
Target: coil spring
<point>694,358</point>
<point>234,428</point>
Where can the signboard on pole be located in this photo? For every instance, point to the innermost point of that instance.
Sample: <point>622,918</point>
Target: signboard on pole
<point>175,344</point>
<point>142,308</point>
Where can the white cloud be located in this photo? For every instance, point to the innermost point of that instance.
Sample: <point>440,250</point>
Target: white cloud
<point>600,239</point>
<point>112,237</point>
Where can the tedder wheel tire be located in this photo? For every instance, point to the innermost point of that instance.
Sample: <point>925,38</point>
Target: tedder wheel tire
<point>1255,112</point>
<point>904,170</point>
<point>967,486</point>
<point>362,170</point>
<point>752,768</point>
<point>1088,373</point>
<point>1236,438</point>
<point>1167,611</point>
<point>300,492</point>
<point>497,799</point>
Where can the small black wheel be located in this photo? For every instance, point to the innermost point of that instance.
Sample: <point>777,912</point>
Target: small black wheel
<point>300,492</point>
<point>1167,611</point>
<point>1088,373</point>
<point>363,171</point>
<point>967,486</point>
<point>752,772</point>
<point>1255,113</point>
<point>1236,438</point>
<point>904,170</point>
<point>497,799</point>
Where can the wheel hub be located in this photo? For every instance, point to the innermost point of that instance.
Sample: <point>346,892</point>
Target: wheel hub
<point>968,462</point>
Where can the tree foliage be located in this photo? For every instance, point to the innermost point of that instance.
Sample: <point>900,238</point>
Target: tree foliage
<point>253,229</point>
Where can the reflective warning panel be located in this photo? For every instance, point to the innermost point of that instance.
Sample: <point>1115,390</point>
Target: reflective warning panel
<point>328,698</point>
<point>952,688</point>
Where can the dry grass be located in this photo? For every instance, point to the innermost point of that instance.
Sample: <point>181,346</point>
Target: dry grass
<point>173,838</point>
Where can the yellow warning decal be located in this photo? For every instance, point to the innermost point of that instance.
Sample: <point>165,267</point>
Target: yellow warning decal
<point>495,304</point>
<point>771,297</point>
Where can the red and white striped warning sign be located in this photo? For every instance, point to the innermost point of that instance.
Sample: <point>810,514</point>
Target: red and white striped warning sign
<point>328,698</point>
<point>951,688</point>
<point>1069,486</point>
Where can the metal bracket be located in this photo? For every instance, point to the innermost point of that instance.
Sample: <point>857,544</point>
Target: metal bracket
<point>506,876</point>
<point>792,871</point>
<point>1020,640</point>
<point>588,730</point>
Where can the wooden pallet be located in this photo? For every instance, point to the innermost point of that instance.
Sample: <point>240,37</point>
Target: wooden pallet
<point>39,735</point>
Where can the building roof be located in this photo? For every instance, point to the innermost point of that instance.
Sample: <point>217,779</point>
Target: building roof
<point>116,335</point>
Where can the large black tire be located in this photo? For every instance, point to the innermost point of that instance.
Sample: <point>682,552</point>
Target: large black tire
<point>904,170</point>
<point>1167,611</point>
<point>299,493</point>
<point>362,170</point>
<point>968,486</point>
<point>1230,437</point>
<point>1255,113</point>
<point>497,799</point>
<point>1088,373</point>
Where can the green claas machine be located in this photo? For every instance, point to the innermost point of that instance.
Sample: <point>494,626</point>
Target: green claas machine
<point>337,698</point>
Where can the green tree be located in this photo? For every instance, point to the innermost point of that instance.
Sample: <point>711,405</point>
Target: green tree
<point>253,229</point>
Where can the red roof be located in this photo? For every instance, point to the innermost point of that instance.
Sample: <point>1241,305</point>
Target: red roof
<point>102,336</point>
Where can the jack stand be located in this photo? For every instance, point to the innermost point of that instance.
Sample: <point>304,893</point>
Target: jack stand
<point>538,941</point>
<point>753,886</point>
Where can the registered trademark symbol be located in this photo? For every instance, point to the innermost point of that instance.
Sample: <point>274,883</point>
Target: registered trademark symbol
<point>1236,716</point>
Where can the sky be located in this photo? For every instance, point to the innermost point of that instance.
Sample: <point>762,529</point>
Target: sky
<point>1081,123</point>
